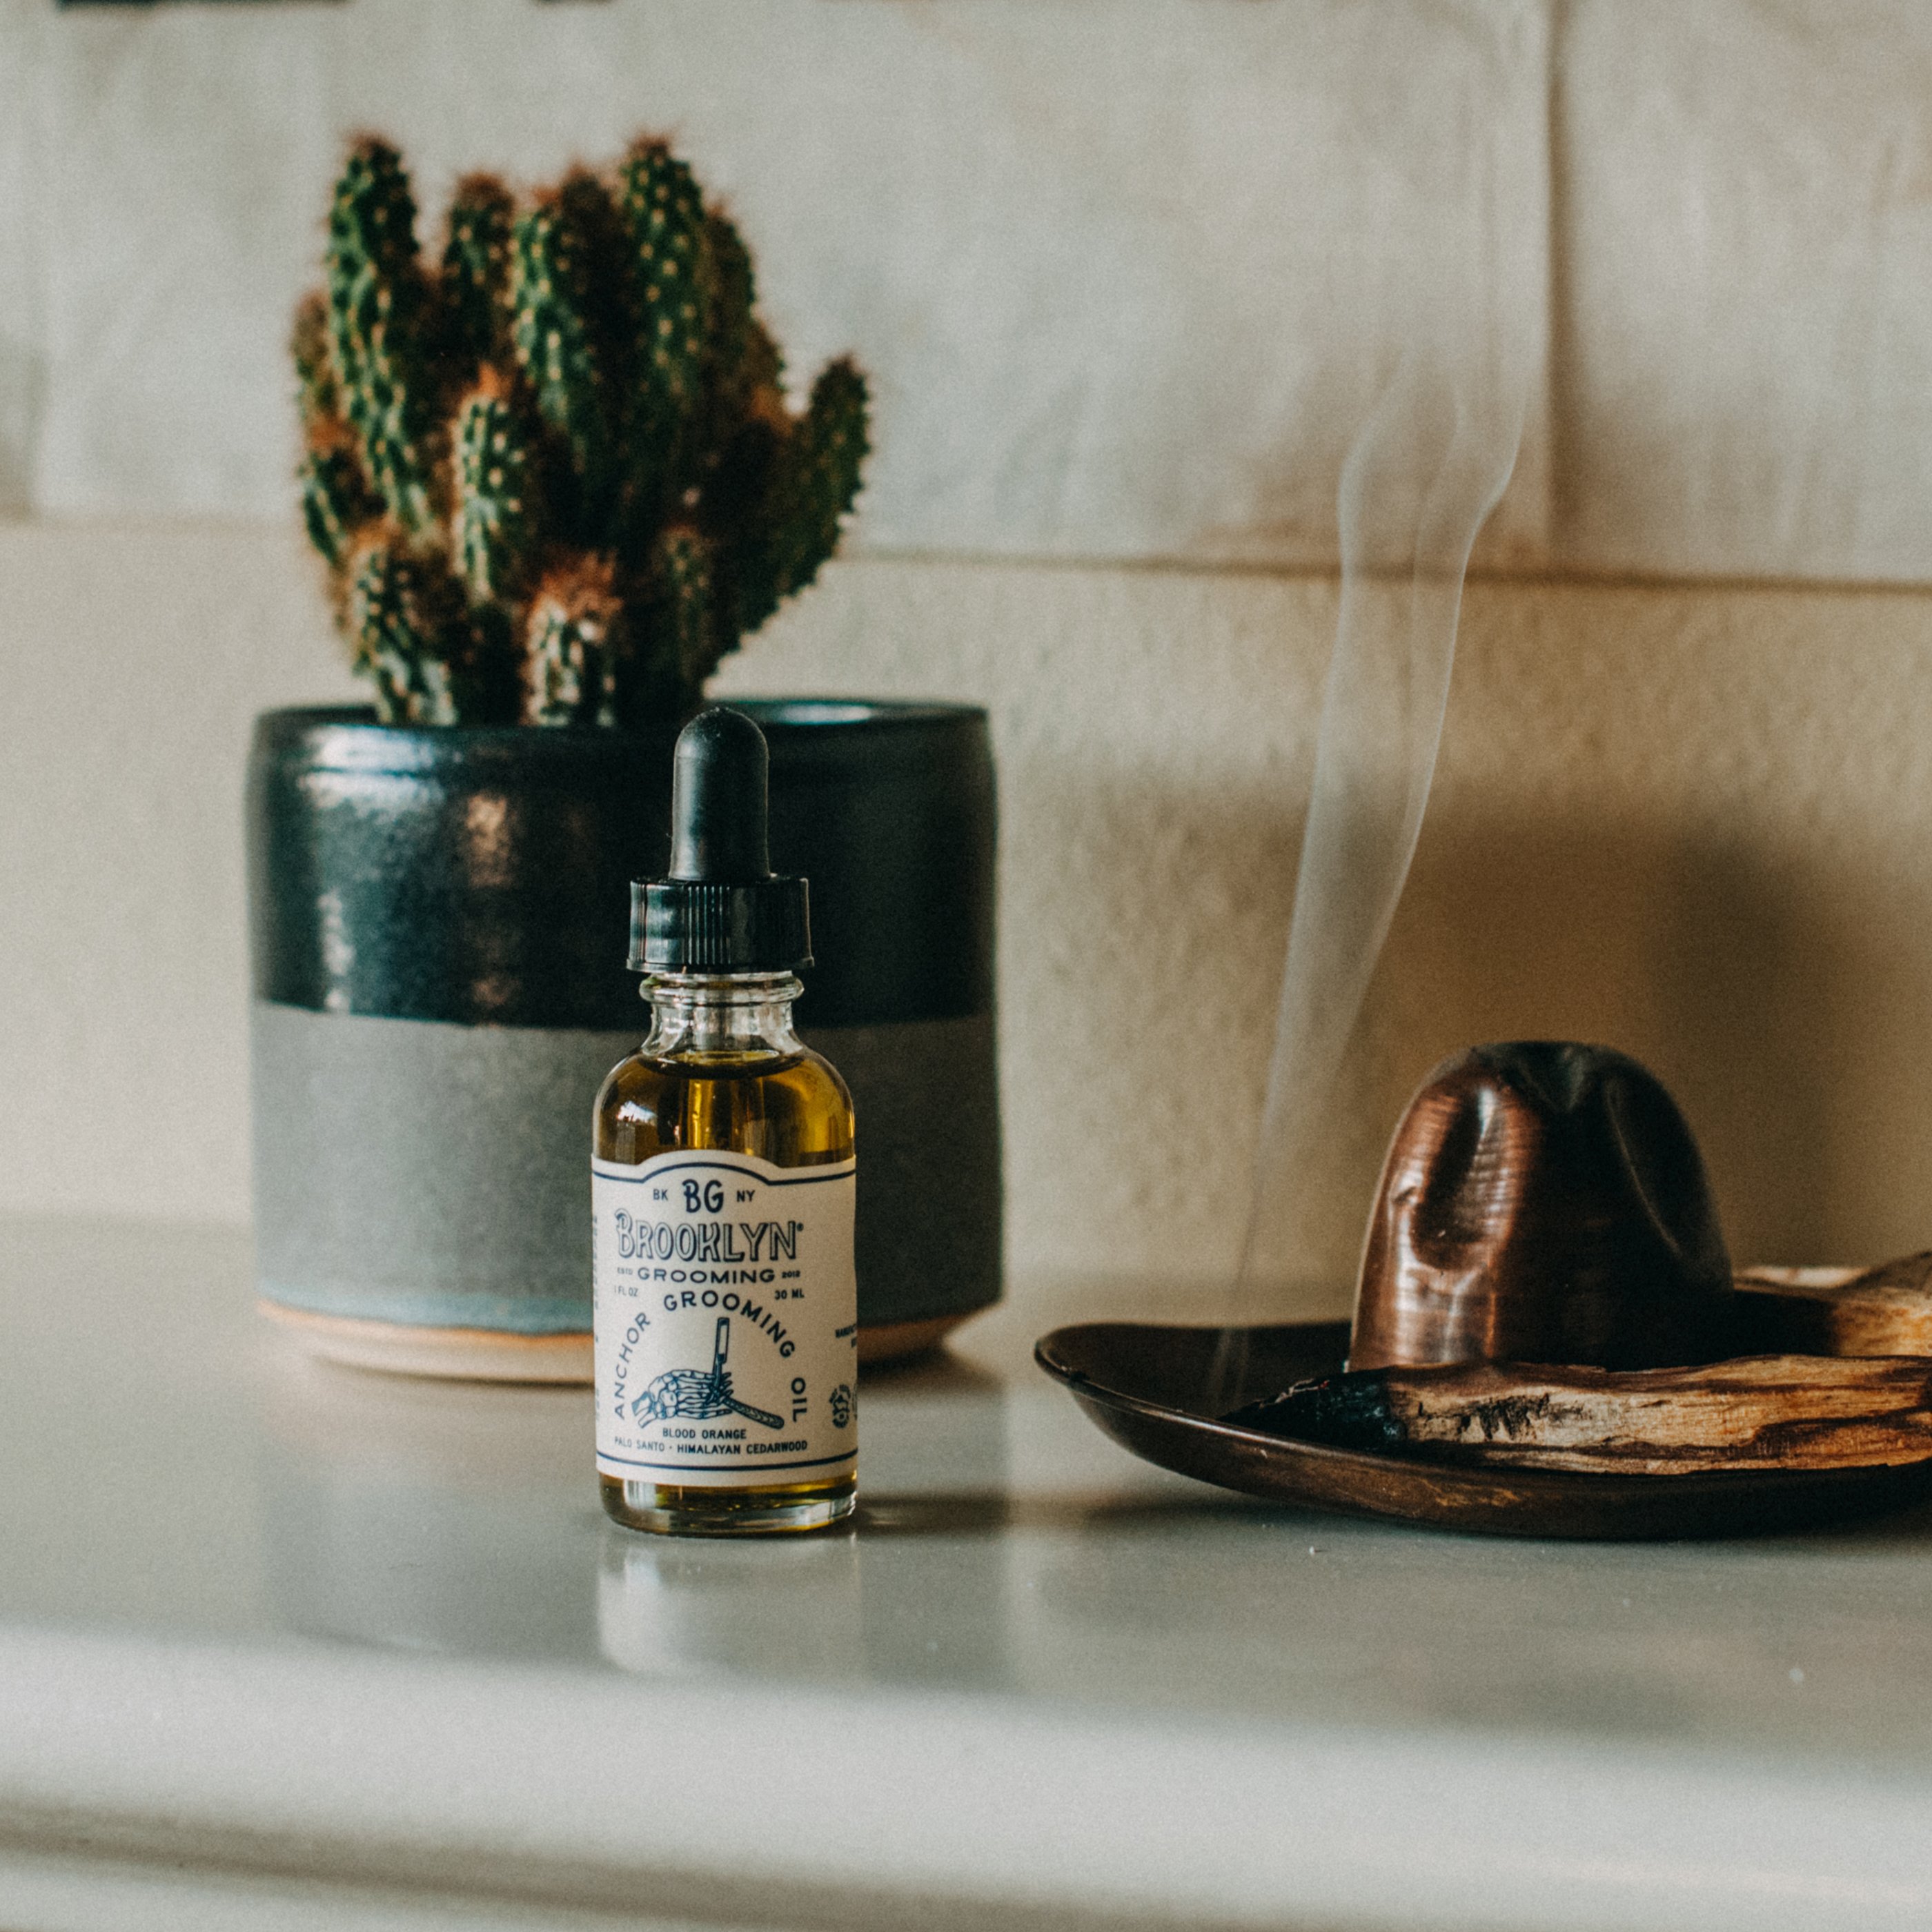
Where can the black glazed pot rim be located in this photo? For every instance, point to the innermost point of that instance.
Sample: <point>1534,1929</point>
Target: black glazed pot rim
<point>483,875</point>
<point>349,737</point>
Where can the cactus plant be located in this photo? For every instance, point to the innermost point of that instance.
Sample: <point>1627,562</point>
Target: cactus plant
<point>554,478</point>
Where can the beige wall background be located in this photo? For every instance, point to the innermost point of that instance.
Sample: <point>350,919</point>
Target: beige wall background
<point>1692,820</point>
<point>1122,269</point>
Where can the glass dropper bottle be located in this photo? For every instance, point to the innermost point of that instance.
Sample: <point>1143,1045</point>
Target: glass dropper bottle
<point>722,1185</point>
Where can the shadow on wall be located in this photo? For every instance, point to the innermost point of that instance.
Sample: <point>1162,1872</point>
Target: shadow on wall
<point>1141,922</point>
<point>1775,1000</point>
<point>1776,995</point>
<point>23,383</point>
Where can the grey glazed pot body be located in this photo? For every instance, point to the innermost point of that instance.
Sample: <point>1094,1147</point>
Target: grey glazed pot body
<point>439,920</point>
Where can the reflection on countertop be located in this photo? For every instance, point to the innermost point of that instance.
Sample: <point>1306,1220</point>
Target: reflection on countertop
<point>199,1524</point>
<point>1002,1545</point>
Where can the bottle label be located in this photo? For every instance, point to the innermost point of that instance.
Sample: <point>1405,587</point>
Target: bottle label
<point>727,1320</point>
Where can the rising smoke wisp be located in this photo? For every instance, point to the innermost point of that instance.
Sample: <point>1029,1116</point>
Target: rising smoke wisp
<point>1430,462</point>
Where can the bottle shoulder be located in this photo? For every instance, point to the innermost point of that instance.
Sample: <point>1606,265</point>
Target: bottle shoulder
<point>829,1076</point>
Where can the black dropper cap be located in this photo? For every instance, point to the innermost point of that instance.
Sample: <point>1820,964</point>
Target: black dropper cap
<point>721,911</point>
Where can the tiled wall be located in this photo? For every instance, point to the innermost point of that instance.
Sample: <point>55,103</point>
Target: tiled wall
<point>1127,275</point>
<point>1128,272</point>
<point>1690,821</point>
<point>1742,261</point>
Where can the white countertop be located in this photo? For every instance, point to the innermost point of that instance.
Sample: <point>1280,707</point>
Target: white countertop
<point>283,1645</point>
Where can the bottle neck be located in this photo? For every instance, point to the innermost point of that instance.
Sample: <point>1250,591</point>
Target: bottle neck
<point>722,1015</point>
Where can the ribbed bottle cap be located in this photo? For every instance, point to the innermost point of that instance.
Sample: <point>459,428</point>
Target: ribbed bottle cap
<point>721,910</point>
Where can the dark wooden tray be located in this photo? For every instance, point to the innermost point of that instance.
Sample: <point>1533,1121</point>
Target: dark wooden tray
<point>1142,1383</point>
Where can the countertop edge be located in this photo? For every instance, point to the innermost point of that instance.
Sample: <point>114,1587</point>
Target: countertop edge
<point>804,1806</point>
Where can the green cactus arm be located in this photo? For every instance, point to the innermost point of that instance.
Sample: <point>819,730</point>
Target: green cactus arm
<point>413,639</point>
<point>373,216</point>
<point>743,370</point>
<point>475,286</point>
<point>813,479</point>
<point>316,395</point>
<point>496,512</point>
<point>572,640</point>
<point>597,224</point>
<point>828,456</point>
<point>556,312</point>
<point>683,597</point>
<point>484,665</point>
<point>378,325</point>
<point>336,503</point>
<point>670,269</point>
<point>382,624</point>
<point>468,672</point>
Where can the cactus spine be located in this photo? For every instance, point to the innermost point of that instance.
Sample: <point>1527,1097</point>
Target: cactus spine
<point>554,478</point>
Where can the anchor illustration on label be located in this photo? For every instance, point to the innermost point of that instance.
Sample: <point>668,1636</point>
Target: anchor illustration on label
<point>698,1395</point>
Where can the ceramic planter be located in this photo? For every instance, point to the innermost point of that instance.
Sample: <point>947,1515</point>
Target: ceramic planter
<point>439,920</point>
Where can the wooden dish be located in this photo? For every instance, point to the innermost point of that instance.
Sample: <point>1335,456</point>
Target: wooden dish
<point>1142,1384</point>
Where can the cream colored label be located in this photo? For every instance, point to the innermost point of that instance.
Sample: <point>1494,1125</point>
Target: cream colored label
<point>727,1320</point>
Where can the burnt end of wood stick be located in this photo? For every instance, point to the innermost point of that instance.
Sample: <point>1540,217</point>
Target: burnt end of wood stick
<point>1543,1202</point>
<point>1346,1411</point>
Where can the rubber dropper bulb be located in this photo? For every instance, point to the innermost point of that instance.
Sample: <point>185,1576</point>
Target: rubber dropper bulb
<point>720,801</point>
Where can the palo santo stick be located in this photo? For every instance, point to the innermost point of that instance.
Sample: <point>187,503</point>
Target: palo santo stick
<point>1886,1310</point>
<point>1756,1412</point>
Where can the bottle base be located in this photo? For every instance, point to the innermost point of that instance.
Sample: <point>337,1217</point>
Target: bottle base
<point>666,1509</point>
